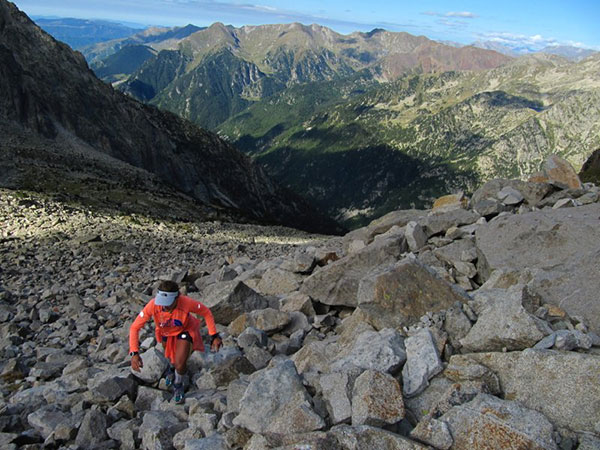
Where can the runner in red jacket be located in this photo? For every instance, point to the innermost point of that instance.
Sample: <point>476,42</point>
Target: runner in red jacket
<point>176,329</point>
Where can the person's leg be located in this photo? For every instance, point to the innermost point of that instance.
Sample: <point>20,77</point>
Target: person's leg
<point>182,353</point>
<point>169,374</point>
<point>183,345</point>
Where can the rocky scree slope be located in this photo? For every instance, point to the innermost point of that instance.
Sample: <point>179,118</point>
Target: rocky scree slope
<point>425,329</point>
<point>50,91</point>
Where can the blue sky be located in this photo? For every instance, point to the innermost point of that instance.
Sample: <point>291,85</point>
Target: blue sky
<point>530,23</point>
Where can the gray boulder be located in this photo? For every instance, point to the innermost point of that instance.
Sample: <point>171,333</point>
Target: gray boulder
<point>297,301</point>
<point>112,388</point>
<point>433,432</point>
<point>155,364</point>
<point>399,294</point>
<point>504,323</point>
<point>489,422</point>
<point>277,281</point>
<point>537,379</point>
<point>338,282</point>
<point>46,419</point>
<point>376,399</point>
<point>316,356</point>
<point>532,192</point>
<point>383,351</point>
<point>251,337</point>
<point>276,401</point>
<point>268,320</point>
<point>364,437</point>
<point>158,429</point>
<point>384,224</point>
<point>510,196</point>
<point>439,222</point>
<point>415,236</point>
<point>124,432</point>
<point>216,442</point>
<point>227,300</point>
<point>336,389</point>
<point>92,429</point>
<point>563,263</point>
<point>235,392</point>
<point>422,362</point>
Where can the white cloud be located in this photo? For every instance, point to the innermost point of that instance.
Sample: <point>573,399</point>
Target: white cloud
<point>461,14</point>
<point>533,43</point>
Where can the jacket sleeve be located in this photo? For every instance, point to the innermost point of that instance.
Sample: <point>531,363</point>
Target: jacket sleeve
<point>204,311</point>
<point>138,323</point>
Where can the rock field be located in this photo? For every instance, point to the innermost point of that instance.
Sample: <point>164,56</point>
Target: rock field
<point>474,325</point>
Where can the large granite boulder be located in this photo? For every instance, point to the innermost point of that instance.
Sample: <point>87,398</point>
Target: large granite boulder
<point>155,364</point>
<point>336,390</point>
<point>555,246</point>
<point>276,401</point>
<point>229,299</point>
<point>158,429</point>
<point>338,282</point>
<point>383,351</point>
<point>365,437</point>
<point>423,362</point>
<point>376,399</point>
<point>488,422</point>
<point>268,320</point>
<point>532,192</point>
<point>383,224</point>
<point>504,323</point>
<point>564,386</point>
<point>397,295</point>
<point>438,222</point>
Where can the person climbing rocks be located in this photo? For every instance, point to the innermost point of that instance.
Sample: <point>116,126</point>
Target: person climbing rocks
<point>177,329</point>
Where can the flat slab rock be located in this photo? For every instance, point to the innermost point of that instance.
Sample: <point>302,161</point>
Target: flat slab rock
<point>564,386</point>
<point>555,246</point>
<point>488,422</point>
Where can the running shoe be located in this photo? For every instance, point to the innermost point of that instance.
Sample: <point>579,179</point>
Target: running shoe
<point>170,376</point>
<point>179,394</point>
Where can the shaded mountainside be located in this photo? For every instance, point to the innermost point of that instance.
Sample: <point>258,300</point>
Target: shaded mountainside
<point>49,90</point>
<point>124,62</point>
<point>458,128</point>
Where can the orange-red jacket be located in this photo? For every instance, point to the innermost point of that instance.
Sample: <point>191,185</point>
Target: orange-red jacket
<point>170,324</point>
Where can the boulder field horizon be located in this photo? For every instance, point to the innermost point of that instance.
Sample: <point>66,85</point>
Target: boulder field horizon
<point>472,325</point>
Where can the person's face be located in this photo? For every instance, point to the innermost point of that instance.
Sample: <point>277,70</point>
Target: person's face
<point>173,305</point>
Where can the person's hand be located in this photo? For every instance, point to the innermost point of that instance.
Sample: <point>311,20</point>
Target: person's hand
<point>216,344</point>
<point>136,362</point>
